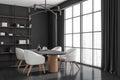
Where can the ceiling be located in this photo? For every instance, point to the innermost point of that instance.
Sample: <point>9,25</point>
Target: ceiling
<point>30,3</point>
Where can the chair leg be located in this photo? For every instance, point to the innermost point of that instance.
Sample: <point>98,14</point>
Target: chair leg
<point>39,67</point>
<point>65,64</point>
<point>20,63</point>
<point>17,62</point>
<point>77,65</point>
<point>60,63</point>
<point>70,63</point>
<point>26,66</point>
<point>43,68</point>
<point>29,70</point>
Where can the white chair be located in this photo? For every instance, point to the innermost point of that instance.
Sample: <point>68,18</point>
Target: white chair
<point>62,58</point>
<point>31,59</point>
<point>58,48</point>
<point>69,57</point>
<point>20,56</point>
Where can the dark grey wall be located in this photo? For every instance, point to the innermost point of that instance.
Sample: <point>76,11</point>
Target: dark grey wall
<point>51,30</point>
<point>60,30</point>
<point>39,30</point>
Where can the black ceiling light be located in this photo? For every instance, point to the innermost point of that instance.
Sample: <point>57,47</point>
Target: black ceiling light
<point>44,8</point>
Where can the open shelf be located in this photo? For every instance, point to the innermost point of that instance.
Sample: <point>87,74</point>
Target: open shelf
<point>7,44</point>
<point>12,27</point>
<point>27,36</point>
<point>22,44</point>
<point>6,36</point>
<point>23,36</point>
<point>13,17</point>
<point>15,44</point>
<point>7,52</point>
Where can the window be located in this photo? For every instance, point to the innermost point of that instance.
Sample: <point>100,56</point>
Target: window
<point>87,7</point>
<point>87,56</point>
<point>76,40</point>
<point>68,39</point>
<point>76,25</point>
<point>97,21</point>
<point>68,25</point>
<point>87,23</point>
<point>68,13</point>
<point>83,31</point>
<point>72,29</point>
<point>76,10</point>
<point>87,40</point>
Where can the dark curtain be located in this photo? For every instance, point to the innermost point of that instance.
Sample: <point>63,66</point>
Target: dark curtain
<point>52,35</point>
<point>60,30</point>
<point>109,27</point>
<point>51,30</point>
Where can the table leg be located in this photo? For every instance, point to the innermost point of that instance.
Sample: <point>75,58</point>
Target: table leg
<point>53,63</point>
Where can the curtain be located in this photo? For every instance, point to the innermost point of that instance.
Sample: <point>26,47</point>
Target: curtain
<point>109,28</point>
<point>60,30</point>
<point>53,34</point>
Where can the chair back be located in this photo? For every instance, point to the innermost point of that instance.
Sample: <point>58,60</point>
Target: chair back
<point>58,48</point>
<point>71,54</point>
<point>19,53</point>
<point>33,58</point>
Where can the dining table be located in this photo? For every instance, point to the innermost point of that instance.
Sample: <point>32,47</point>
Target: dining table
<point>52,58</point>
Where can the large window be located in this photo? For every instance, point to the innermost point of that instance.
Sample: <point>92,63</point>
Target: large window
<point>83,31</point>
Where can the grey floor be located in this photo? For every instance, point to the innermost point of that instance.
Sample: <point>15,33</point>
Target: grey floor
<point>70,73</point>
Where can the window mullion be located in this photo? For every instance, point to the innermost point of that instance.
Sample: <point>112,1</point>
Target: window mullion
<point>81,35</point>
<point>72,27</point>
<point>92,33</point>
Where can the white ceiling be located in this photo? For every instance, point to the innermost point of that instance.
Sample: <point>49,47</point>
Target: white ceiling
<point>30,3</point>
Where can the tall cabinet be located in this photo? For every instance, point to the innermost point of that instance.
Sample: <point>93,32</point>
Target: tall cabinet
<point>15,31</point>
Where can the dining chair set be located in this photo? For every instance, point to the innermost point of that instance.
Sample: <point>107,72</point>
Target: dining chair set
<point>31,58</point>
